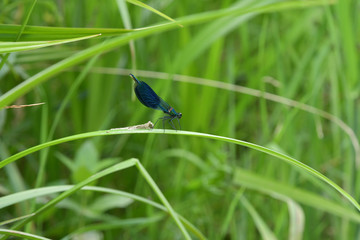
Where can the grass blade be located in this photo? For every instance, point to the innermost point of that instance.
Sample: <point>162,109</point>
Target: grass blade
<point>268,151</point>
<point>9,47</point>
<point>21,235</point>
<point>8,32</point>
<point>143,5</point>
<point>269,186</point>
<point>264,230</point>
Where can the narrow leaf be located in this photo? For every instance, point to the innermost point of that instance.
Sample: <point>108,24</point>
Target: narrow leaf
<point>8,47</point>
<point>8,32</point>
<point>143,5</point>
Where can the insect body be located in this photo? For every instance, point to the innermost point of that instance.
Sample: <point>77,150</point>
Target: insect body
<point>150,99</point>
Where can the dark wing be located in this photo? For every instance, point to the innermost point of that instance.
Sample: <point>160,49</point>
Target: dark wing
<point>164,106</point>
<point>147,96</point>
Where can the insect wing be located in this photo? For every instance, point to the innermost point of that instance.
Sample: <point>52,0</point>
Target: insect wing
<point>147,96</point>
<point>164,106</point>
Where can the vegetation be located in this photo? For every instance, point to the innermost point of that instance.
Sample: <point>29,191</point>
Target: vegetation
<point>268,91</point>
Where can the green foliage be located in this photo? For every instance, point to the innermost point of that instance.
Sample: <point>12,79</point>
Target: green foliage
<point>279,75</point>
<point>8,47</point>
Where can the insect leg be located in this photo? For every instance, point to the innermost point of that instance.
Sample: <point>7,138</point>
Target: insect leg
<point>156,122</point>
<point>171,123</point>
<point>179,123</point>
<point>164,119</point>
<point>159,119</point>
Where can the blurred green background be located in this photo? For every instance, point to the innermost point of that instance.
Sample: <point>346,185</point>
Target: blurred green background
<point>305,51</point>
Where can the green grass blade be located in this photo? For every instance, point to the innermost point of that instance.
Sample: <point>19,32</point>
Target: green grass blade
<point>143,5</point>
<point>9,47</point>
<point>125,16</point>
<point>256,147</point>
<point>26,20</point>
<point>264,230</point>
<point>8,32</point>
<point>297,220</point>
<point>231,212</point>
<point>114,225</point>
<point>21,235</point>
<point>271,187</point>
<point>15,219</point>
<point>156,189</point>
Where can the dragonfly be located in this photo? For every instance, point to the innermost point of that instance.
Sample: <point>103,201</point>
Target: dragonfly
<point>150,99</point>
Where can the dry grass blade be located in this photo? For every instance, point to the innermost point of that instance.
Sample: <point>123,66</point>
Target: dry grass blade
<point>23,106</point>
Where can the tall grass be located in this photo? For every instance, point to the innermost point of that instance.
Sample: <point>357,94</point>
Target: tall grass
<point>278,74</point>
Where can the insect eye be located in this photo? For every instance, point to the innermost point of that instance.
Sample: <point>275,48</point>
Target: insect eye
<point>179,115</point>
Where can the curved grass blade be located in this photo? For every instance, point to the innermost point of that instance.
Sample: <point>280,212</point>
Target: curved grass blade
<point>114,225</point>
<point>22,235</point>
<point>268,151</point>
<point>9,47</point>
<point>143,5</point>
<point>230,213</point>
<point>18,197</point>
<point>15,219</point>
<point>271,187</point>
<point>262,227</point>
